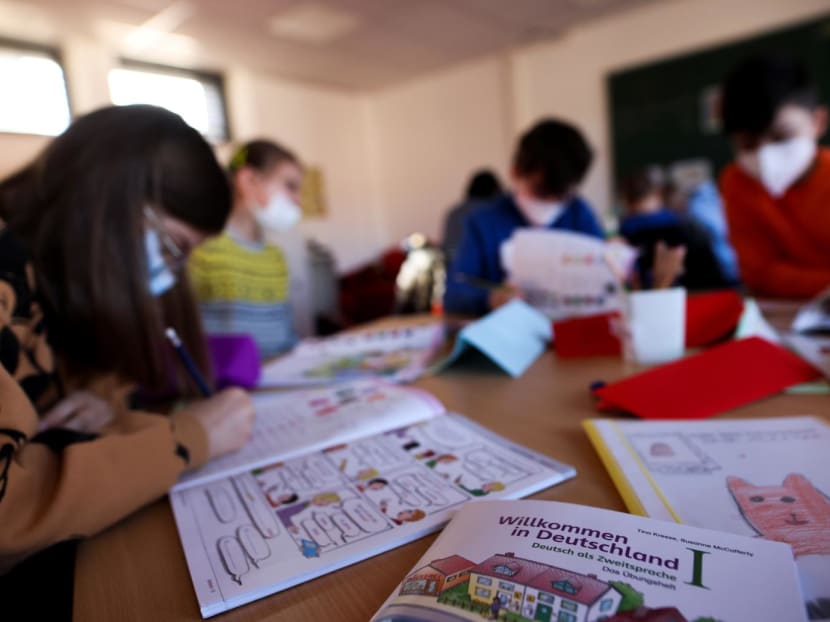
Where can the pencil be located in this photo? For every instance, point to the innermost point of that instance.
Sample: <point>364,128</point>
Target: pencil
<point>187,361</point>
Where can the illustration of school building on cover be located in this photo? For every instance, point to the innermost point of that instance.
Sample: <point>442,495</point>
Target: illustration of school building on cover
<point>528,589</point>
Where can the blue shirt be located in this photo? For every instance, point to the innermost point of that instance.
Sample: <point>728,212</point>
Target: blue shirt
<point>706,207</point>
<point>485,231</point>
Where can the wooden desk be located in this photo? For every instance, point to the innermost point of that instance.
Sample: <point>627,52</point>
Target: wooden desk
<point>136,570</point>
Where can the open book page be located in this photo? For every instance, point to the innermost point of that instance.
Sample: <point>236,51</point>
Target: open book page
<point>765,478</point>
<point>286,522</point>
<point>396,355</point>
<point>566,274</point>
<point>526,561</point>
<point>294,423</point>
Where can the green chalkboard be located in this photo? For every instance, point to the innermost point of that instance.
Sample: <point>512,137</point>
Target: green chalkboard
<point>660,114</point>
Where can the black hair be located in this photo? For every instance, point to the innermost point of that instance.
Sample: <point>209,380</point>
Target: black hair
<point>555,155</point>
<point>79,211</point>
<point>642,183</point>
<point>261,155</point>
<point>758,87</point>
<point>483,185</point>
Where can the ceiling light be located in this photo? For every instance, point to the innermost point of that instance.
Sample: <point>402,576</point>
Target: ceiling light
<point>313,23</point>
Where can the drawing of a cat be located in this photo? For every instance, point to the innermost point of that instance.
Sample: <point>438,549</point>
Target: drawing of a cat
<point>796,512</point>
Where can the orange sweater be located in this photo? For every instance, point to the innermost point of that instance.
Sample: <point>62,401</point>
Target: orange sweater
<point>783,244</point>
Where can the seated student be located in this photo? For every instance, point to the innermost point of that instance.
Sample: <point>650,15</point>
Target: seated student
<point>550,162</point>
<point>777,191</point>
<point>241,279</point>
<point>484,186</point>
<point>93,235</point>
<point>659,233</point>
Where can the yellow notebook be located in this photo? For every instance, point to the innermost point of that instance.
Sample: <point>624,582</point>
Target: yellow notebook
<point>755,477</point>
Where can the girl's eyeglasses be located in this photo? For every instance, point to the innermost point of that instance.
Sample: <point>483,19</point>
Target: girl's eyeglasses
<point>173,254</point>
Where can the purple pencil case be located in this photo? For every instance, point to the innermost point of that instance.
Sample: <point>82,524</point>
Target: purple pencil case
<point>235,361</point>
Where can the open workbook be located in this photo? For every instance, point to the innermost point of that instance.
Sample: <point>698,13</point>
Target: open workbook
<point>334,476</point>
<point>399,354</point>
<point>766,478</point>
<point>542,561</point>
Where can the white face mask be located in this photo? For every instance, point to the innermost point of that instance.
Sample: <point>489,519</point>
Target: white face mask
<point>779,165</point>
<point>279,214</point>
<point>161,278</point>
<point>539,213</point>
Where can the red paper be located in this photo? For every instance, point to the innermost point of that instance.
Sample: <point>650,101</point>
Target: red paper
<point>587,336</point>
<point>712,317</point>
<point>709,383</point>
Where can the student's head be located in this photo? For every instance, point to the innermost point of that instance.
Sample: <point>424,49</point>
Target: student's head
<point>266,180</point>
<point>643,191</point>
<point>108,213</point>
<point>551,160</point>
<point>772,116</point>
<point>483,185</point>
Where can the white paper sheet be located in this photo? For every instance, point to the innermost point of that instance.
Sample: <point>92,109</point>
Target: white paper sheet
<point>565,274</point>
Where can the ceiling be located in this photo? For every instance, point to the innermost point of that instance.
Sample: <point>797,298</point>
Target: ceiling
<point>350,44</point>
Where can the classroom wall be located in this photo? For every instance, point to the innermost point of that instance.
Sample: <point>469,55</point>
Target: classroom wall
<point>429,135</point>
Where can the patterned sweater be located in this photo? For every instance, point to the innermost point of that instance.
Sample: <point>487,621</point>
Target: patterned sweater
<point>243,289</point>
<point>59,484</point>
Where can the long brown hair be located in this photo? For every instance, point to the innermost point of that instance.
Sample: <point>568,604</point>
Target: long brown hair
<point>79,210</point>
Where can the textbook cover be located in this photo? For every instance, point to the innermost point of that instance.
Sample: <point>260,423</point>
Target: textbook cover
<point>543,561</point>
<point>332,477</point>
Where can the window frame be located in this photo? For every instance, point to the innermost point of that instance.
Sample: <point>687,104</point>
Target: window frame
<point>53,52</point>
<point>217,78</point>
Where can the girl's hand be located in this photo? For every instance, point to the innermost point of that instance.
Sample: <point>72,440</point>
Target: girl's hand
<point>227,417</point>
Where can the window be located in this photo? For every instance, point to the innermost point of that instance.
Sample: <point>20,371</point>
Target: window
<point>507,570</point>
<point>484,581</point>
<point>505,586</point>
<point>545,598</point>
<point>606,604</point>
<point>35,100</point>
<point>566,617</point>
<point>566,604</point>
<point>564,586</point>
<point>415,585</point>
<point>480,591</point>
<point>198,97</point>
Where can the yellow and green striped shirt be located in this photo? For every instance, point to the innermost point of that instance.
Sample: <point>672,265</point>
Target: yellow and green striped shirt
<point>242,288</point>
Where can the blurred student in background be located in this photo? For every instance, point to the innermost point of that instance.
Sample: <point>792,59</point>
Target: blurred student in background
<point>93,236</point>
<point>483,188</point>
<point>549,164</point>
<point>674,249</point>
<point>777,191</point>
<point>242,280</point>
